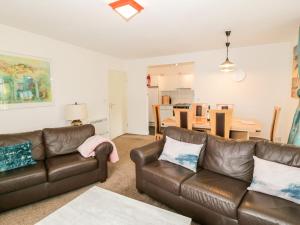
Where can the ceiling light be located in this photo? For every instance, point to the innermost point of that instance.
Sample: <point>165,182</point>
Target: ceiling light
<point>126,8</point>
<point>227,66</point>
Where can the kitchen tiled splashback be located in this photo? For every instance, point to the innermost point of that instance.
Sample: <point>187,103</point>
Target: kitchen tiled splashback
<point>180,95</point>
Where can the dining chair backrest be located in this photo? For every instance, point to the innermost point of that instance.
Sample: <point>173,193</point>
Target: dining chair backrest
<point>184,118</point>
<point>220,121</point>
<point>225,106</point>
<point>199,109</point>
<point>275,121</point>
<point>156,113</point>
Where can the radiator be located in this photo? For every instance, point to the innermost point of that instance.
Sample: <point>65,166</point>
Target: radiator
<point>101,127</point>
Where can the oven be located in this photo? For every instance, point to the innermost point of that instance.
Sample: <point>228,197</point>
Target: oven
<point>182,106</point>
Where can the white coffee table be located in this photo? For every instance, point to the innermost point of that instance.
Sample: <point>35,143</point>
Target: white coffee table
<point>101,207</point>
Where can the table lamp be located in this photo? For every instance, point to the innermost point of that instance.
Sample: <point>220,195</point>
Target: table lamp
<point>75,113</point>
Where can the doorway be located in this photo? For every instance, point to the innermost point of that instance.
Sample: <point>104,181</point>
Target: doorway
<point>169,85</point>
<point>117,103</point>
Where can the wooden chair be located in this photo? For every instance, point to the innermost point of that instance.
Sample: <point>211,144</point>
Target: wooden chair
<point>275,121</point>
<point>225,106</point>
<point>220,121</point>
<point>274,126</point>
<point>199,109</point>
<point>239,135</point>
<point>156,112</point>
<point>184,118</point>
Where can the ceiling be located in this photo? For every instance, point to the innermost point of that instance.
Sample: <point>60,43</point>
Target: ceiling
<point>164,27</point>
<point>186,68</point>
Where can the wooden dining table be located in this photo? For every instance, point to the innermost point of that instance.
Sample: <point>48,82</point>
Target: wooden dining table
<point>201,123</point>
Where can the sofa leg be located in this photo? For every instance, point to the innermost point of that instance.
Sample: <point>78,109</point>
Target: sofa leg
<point>140,191</point>
<point>102,180</point>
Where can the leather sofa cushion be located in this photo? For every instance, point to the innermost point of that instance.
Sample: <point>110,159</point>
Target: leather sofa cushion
<point>21,178</point>
<point>284,154</point>
<point>36,138</point>
<point>230,158</point>
<point>64,140</point>
<point>166,175</point>
<point>189,136</point>
<point>219,193</point>
<point>60,167</point>
<point>262,209</point>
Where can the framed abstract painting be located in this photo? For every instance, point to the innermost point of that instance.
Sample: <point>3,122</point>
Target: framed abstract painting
<point>294,137</point>
<point>295,73</point>
<point>24,82</point>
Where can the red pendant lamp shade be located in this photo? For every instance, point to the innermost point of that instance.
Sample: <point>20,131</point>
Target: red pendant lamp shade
<point>126,8</point>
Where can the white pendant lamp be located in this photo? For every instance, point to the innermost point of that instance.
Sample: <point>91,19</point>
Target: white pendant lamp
<point>227,66</point>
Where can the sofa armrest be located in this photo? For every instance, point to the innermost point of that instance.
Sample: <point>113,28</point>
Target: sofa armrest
<point>102,155</point>
<point>103,151</point>
<point>148,153</point>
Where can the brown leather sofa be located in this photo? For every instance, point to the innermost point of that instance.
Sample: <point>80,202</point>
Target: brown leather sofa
<point>60,168</point>
<point>217,194</point>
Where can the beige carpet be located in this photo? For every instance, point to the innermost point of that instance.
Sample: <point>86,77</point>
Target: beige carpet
<point>121,180</point>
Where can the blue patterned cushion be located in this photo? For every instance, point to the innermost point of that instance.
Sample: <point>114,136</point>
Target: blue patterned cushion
<point>15,156</point>
<point>181,153</point>
<point>276,179</point>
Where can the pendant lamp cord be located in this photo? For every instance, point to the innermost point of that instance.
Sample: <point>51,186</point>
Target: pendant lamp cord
<point>227,43</point>
<point>227,50</point>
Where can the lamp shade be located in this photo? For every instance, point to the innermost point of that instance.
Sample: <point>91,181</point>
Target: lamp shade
<point>227,66</point>
<point>75,112</point>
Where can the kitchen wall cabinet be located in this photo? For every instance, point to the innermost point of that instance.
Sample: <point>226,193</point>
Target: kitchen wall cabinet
<point>154,80</point>
<point>185,81</point>
<point>172,82</point>
<point>172,76</point>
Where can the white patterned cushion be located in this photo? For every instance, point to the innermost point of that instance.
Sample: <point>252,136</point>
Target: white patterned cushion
<point>181,153</point>
<point>276,179</point>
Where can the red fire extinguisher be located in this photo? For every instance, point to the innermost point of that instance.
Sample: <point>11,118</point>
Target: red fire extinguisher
<point>148,80</point>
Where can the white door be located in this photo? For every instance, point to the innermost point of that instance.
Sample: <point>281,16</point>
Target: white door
<point>117,99</point>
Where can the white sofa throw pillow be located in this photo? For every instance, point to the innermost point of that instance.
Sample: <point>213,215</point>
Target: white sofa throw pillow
<point>181,153</point>
<point>276,179</point>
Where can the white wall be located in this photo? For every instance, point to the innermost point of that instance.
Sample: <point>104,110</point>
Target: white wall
<point>81,75</point>
<point>78,75</point>
<point>268,83</point>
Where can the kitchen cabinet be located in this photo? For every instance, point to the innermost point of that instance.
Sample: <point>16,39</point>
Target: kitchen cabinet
<point>172,76</point>
<point>185,81</point>
<point>173,82</point>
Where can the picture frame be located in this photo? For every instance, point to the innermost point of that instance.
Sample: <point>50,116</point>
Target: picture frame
<point>295,74</point>
<point>25,81</point>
